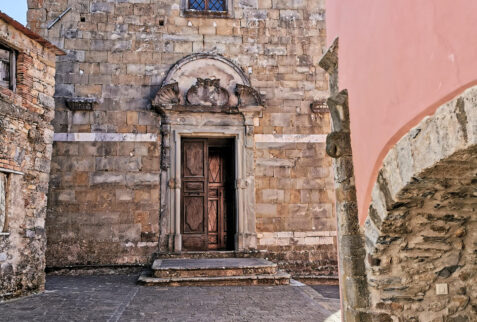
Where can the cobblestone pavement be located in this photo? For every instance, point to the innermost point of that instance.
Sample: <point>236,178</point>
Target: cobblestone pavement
<point>118,298</point>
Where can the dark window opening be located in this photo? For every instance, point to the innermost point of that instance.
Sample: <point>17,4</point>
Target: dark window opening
<point>8,67</point>
<point>208,5</point>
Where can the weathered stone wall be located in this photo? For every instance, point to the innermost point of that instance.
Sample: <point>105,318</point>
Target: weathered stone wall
<point>104,205</point>
<point>26,136</point>
<point>421,230</point>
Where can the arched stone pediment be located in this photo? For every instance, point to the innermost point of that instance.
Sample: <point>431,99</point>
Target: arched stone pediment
<point>206,80</point>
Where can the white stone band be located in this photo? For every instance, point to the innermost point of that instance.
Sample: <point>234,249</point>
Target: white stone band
<point>105,137</point>
<point>290,138</point>
<point>151,137</point>
<point>285,238</point>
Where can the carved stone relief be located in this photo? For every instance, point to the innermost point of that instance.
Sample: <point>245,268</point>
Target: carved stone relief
<point>207,92</point>
<point>206,80</point>
<point>168,94</point>
<point>248,96</point>
<point>81,103</point>
<point>320,106</point>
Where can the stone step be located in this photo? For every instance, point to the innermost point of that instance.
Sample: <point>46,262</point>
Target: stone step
<point>279,278</point>
<point>212,254</point>
<point>212,267</point>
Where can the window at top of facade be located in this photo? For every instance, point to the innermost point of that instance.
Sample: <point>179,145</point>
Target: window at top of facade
<point>208,5</point>
<point>7,67</point>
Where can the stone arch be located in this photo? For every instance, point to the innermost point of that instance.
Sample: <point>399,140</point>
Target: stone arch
<point>421,230</point>
<point>216,58</point>
<point>187,70</point>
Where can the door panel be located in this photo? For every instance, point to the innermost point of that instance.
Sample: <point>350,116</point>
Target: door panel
<point>218,171</point>
<point>213,215</point>
<point>193,186</point>
<point>194,194</point>
<point>194,158</point>
<point>215,166</point>
<point>193,214</point>
<point>208,194</point>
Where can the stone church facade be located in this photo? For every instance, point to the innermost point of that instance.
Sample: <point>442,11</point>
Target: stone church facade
<point>189,126</point>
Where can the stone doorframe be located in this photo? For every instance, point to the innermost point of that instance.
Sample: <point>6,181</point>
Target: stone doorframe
<point>239,126</point>
<point>205,95</point>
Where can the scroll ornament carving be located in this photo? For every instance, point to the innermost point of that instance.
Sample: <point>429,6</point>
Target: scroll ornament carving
<point>168,94</point>
<point>319,106</point>
<point>207,92</point>
<point>81,103</point>
<point>248,96</point>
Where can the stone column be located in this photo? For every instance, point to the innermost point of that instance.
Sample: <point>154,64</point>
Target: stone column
<point>166,239</point>
<point>247,238</point>
<point>351,252</point>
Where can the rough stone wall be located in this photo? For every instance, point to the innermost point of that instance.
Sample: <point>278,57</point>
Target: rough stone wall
<point>26,137</point>
<point>104,205</point>
<point>422,224</point>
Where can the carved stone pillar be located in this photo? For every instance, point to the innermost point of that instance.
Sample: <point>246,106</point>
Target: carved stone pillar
<point>351,252</point>
<point>247,234</point>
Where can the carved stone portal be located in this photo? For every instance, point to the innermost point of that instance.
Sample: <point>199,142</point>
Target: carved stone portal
<point>207,92</point>
<point>206,96</point>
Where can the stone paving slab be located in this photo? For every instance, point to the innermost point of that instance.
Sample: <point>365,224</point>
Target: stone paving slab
<point>118,298</point>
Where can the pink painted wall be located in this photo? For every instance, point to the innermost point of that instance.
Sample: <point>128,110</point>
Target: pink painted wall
<point>399,61</point>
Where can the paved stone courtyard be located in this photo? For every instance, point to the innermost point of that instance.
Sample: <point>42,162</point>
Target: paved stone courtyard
<point>118,298</point>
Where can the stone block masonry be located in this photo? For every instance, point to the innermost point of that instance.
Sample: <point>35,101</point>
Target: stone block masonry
<point>26,136</point>
<point>112,190</point>
<point>104,205</point>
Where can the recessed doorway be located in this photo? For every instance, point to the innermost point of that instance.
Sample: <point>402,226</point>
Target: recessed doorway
<point>208,194</point>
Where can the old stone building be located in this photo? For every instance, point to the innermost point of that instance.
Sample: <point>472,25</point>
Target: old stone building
<point>27,84</point>
<point>188,126</point>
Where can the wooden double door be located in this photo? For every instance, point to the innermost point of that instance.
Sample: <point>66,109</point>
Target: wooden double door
<point>207,194</point>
